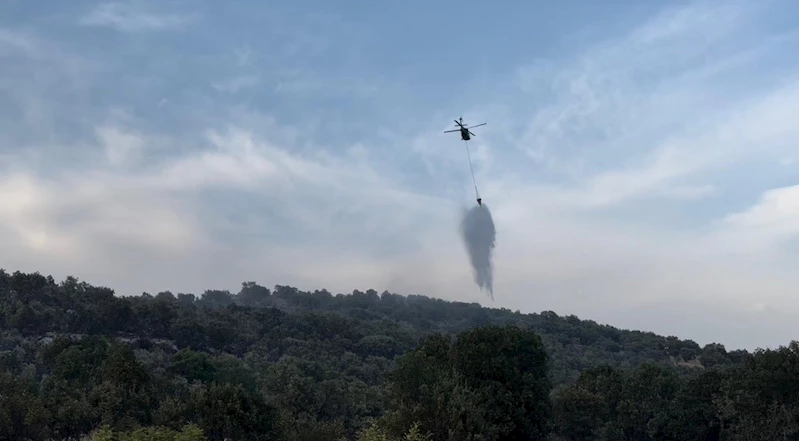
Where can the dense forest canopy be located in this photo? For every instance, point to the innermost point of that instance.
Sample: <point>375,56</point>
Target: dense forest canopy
<point>283,364</point>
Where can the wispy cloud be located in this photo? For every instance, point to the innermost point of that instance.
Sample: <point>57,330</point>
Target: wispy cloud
<point>237,84</point>
<point>770,227</point>
<point>134,17</point>
<point>637,117</point>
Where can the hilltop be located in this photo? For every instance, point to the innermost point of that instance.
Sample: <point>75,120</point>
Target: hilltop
<point>320,360</point>
<point>35,305</point>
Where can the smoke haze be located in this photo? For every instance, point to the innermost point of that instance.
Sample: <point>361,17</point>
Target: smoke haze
<point>479,235</point>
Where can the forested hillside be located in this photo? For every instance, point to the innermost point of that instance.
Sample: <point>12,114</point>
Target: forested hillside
<point>284,364</point>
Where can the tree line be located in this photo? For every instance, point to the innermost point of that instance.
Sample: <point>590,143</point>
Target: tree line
<point>76,360</point>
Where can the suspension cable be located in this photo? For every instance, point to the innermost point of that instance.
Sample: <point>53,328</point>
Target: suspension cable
<point>474,181</point>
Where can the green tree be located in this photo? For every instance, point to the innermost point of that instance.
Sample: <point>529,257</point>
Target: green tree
<point>579,413</point>
<point>694,414</point>
<point>227,411</point>
<point>252,294</point>
<point>491,382</point>
<point>509,366</point>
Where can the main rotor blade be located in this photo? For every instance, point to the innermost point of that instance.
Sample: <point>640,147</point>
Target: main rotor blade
<point>456,130</point>
<point>470,132</point>
<point>477,125</point>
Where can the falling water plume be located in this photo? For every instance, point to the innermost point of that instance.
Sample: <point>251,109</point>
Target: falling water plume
<point>479,235</point>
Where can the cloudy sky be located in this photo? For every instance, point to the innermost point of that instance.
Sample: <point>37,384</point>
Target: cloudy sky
<point>639,161</point>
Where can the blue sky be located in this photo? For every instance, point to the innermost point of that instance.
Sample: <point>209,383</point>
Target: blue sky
<point>639,158</point>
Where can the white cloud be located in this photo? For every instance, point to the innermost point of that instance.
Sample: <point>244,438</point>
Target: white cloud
<point>133,17</point>
<point>11,42</point>
<point>776,213</point>
<point>23,212</point>
<point>628,101</point>
<point>753,129</point>
<point>237,84</point>
<point>120,147</point>
<point>243,56</point>
<point>768,227</point>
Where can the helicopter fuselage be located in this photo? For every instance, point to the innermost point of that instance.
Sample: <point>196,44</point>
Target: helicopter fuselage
<point>465,134</point>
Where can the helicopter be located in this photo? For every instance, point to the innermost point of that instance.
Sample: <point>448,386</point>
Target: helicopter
<point>466,134</point>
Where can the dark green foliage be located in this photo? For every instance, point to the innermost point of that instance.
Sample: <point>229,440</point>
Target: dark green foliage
<point>284,364</point>
<point>754,400</point>
<point>190,432</point>
<point>508,366</point>
<point>492,382</point>
<point>228,411</point>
